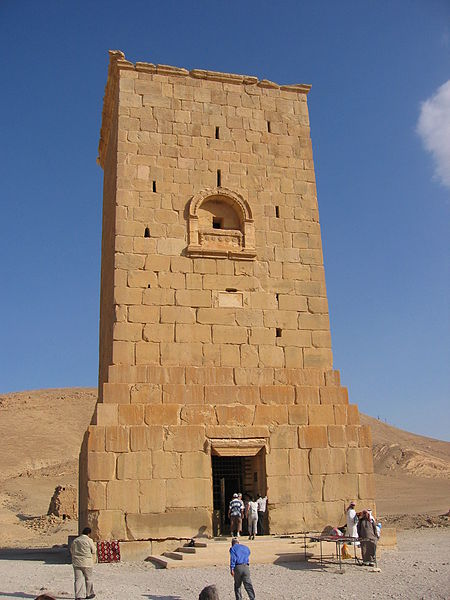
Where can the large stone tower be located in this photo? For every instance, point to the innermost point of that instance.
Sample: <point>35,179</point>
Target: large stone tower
<point>216,369</point>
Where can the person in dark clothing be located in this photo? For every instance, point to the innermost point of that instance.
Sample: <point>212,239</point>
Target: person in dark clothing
<point>368,534</point>
<point>209,593</point>
<point>239,569</point>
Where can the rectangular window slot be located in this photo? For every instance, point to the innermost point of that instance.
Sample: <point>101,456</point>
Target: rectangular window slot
<point>278,332</point>
<point>268,126</point>
<point>219,178</point>
<point>231,290</point>
<point>217,223</point>
<point>154,186</point>
<point>217,133</point>
<point>147,232</point>
<point>277,212</point>
<point>277,297</point>
<point>149,286</point>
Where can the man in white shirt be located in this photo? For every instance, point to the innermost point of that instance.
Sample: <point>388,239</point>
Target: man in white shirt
<point>84,555</point>
<point>262,506</point>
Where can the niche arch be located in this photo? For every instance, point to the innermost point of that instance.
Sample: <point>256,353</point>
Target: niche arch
<point>221,224</point>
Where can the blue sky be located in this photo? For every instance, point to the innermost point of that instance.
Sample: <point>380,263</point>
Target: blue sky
<point>383,187</point>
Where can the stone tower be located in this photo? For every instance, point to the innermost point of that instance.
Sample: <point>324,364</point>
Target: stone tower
<point>216,368</point>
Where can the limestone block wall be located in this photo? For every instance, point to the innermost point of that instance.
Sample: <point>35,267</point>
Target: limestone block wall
<point>214,317</point>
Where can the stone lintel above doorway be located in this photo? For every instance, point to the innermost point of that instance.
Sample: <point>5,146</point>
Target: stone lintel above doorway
<point>244,447</point>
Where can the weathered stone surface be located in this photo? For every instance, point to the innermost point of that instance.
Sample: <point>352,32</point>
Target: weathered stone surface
<point>365,436</point>
<point>312,436</point>
<point>117,438</point>
<point>271,414</point>
<point>352,414</point>
<point>174,523</point>
<point>319,514</point>
<point>287,518</point>
<point>366,486</point>
<point>152,496</point>
<point>359,460</point>
<point>336,436</point>
<point>96,495</point>
<point>107,524</point>
<point>340,487</point>
<point>307,395</point>
<point>235,415</point>
<point>284,436</point>
<point>183,394</point>
<point>166,465</point>
<point>107,414</point>
<point>321,414</point>
<point>277,394</point>
<point>198,414</point>
<point>185,439</point>
<point>162,414</point>
<point>298,461</point>
<point>101,466</point>
<point>327,460</point>
<point>146,437</point>
<point>277,462</point>
<point>196,464</point>
<point>122,493</point>
<point>333,395</point>
<point>96,438</point>
<point>134,465</point>
<point>187,493</point>
<point>131,414</point>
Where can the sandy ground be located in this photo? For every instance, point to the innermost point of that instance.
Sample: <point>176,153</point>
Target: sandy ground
<point>418,569</point>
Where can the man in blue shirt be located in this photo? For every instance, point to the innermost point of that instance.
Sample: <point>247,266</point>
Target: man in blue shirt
<point>239,560</point>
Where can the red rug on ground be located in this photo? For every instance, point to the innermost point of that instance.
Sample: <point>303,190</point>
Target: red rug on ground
<point>108,552</point>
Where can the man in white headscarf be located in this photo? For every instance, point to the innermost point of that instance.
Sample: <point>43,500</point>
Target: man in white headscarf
<point>352,520</point>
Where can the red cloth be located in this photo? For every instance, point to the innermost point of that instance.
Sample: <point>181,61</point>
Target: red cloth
<point>108,552</point>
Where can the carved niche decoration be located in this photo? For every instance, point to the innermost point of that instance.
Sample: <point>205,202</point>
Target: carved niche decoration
<point>221,225</point>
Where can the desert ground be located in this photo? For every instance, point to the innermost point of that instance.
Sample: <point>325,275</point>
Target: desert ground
<point>41,437</point>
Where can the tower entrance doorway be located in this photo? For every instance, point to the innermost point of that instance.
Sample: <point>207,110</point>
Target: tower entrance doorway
<point>243,473</point>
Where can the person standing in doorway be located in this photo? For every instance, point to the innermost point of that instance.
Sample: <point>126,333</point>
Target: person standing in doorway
<point>84,555</point>
<point>262,507</point>
<point>235,514</point>
<point>252,518</point>
<point>240,570</point>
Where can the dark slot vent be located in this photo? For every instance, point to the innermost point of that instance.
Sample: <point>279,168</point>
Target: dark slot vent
<point>147,232</point>
<point>277,212</point>
<point>268,126</point>
<point>231,290</point>
<point>278,332</point>
<point>277,296</point>
<point>217,133</point>
<point>154,186</point>
<point>219,178</point>
<point>149,286</point>
<point>217,223</point>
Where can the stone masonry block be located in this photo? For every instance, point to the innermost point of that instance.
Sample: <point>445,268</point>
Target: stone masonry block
<point>182,523</point>
<point>271,414</point>
<point>116,393</point>
<point>284,489</point>
<point>359,460</point>
<point>107,414</point>
<point>230,394</point>
<point>147,353</point>
<point>340,487</point>
<point>321,414</point>
<point>298,461</point>
<point>192,333</point>
<point>284,436</point>
<point>198,414</point>
<point>117,438</point>
<point>340,414</point>
<point>352,435</point>
<point>209,375</point>
<point>143,437</point>
<point>101,466</point>
<point>327,460</point>
<point>277,462</point>
<point>366,486</point>
<point>195,464</point>
<point>134,465</point>
<point>365,436</point>
<point>319,514</point>
<point>131,414</point>
<point>317,357</point>
<point>177,314</point>
<point>277,394</point>
<point>235,415</point>
<point>220,431</point>
<point>120,494</point>
<point>152,496</point>
<point>352,414</point>
<point>227,334</point>
<point>162,414</point>
<point>298,415</point>
<point>336,436</point>
<point>333,395</point>
<point>123,353</point>
<point>166,465</point>
<point>307,395</point>
<point>312,436</point>
<point>96,438</point>
<point>107,525</point>
<point>96,495</point>
<point>271,356</point>
<point>175,393</point>
<point>332,378</point>
<point>181,353</point>
<point>143,314</point>
<point>146,393</point>
<point>185,438</point>
<point>188,493</point>
<point>193,298</point>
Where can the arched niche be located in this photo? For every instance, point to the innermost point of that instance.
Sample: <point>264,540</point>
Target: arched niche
<point>221,225</point>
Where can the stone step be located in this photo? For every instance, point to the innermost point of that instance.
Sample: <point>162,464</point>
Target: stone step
<point>174,555</point>
<point>187,549</point>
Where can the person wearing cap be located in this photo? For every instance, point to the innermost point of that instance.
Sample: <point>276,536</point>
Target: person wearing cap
<point>235,514</point>
<point>352,520</point>
<point>240,570</point>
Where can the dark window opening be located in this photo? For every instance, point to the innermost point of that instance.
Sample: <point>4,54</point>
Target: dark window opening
<point>219,178</point>
<point>149,286</point>
<point>268,126</point>
<point>217,133</point>
<point>278,332</point>
<point>277,296</point>
<point>217,223</point>
<point>147,232</point>
<point>154,186</point>
<point>277,212</point>
<point>231,290</point>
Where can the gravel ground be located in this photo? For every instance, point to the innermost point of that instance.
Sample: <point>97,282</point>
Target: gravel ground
<point>419,569</point>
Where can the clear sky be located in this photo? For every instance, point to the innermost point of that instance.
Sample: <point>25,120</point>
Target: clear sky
<point>380,122</point>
